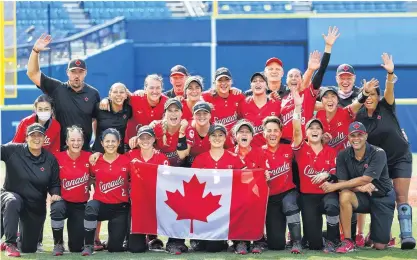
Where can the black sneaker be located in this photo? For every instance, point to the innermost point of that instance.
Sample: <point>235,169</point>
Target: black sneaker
<point>156,244</point>
<point>88,250</point>
<point>58,250</point>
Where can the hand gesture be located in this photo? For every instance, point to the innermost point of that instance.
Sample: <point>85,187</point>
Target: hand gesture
<point>133,142</point>
<point>42,43</point>
<point>314,60</point>
<point>388,64</point>
<point>331,36</point>
<point>184,124</point>
<point>93,158</point>
<point>368,86</point>
<point>326,137</point>
<point>274,95</point>
<point>104,104</point>
<point>298,100</point>
<point>319,178</point>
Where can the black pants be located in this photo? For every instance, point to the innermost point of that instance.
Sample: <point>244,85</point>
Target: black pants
<point>212,246</point>
<point>31,216</point>
<point>74,213</point>
<point>116,214</point>
<point>279,207</point>
<point>313,206</point>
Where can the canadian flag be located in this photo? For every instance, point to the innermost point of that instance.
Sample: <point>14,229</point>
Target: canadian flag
<point>198,203</point>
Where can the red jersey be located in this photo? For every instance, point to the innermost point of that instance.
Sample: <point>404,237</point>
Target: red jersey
<point>157,157</point>
<point>310,164</point>
<point>250,111</point>
<point>200,144</point>
<point>143,114</point>
<point>338,127</point>
<point>307,111</point>
<point>225,109</point>
<point>52,135</point>
<point>112,180</point>
<point>228,160</point>
<point>170,149</point>
<point>187,113</point>
<point>74,176</point>
<point>254,159</point>
<point>279,165</point>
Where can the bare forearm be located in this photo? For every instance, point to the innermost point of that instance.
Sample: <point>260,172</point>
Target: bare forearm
<point>296,122</point>
<point>33,64</point>
<point>354,183</point>
<point>308,74</point>
<point>389,89</point>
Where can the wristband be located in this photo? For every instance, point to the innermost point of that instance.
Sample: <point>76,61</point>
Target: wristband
<point>362,98</point>
<point>296,116</point>
<point>391,72</point>
<point>35,50</point>
<point>182,144</point>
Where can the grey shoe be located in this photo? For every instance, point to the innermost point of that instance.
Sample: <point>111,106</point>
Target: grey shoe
<point>296,247</point>
<point>329,247</point>
<point>58,250</point>
<point>40,247</point>
<point>88,250</point>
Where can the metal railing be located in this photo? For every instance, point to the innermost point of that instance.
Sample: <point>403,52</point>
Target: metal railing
<point>80,44</point>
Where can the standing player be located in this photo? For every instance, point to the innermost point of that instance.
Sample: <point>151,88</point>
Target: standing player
<point>378,116</point>
<point>365,187</point>
<point>225,101</point>
<point>258,106</point>
<point>74,175</point>
<point>282,203</point>
<point>316,164</point>
<point>193,90</point>
<point>177,78</point>
<point>43,115</point>
<point>336,119</point>
<point>31,172</point>
<point>274,71</point>
<point>117,117</point>
<point>110,200</point>
<point>216,158</point>
<point>74,100</point>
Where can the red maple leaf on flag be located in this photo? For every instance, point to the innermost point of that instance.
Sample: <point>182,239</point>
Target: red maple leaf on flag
<point>192,205</point>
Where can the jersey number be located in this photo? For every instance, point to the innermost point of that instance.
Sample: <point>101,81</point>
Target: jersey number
<point>123,193</point>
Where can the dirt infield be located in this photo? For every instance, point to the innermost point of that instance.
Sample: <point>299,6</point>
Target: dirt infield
<point>412,194</point>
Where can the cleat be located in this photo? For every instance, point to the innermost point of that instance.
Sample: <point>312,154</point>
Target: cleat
<point>12,251</point>
<point>329,247</point>
<point>296,247</point>
<point>88,250</point>
<point>391,243</point>
<point>241,248</point>
<point>156,244</point>
<point>346,246</point>
<point>173,249</point>
<point>98,246</point>
<point>360,240</point>
<point>58,250</point>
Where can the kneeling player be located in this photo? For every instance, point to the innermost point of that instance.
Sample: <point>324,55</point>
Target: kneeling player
<point>110,201</point>
<point>365,187</point>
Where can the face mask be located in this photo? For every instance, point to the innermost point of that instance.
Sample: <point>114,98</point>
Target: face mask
<point>44,116</point>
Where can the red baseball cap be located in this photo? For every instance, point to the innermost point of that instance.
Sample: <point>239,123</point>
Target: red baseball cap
<point>274,59</point>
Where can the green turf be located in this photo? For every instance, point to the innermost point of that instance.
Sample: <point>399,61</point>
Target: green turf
<point>362,254</point>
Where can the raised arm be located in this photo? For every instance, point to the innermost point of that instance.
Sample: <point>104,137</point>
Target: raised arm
<point>367,87</point>
<point>388,65</point>
<point>296,120</point>
<point>33,70</point>
<point>313,65</point>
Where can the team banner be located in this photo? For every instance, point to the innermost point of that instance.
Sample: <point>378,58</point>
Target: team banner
<point>203,204</point>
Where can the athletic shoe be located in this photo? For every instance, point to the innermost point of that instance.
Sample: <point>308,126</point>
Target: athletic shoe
<point>197,245</point>
<point>346,246</point>
<point>391,243</point>
<point>368,241</point>
<point>39,247</point>
<point>173,249</point>
<point>98,246</point>
<point>12,251</point>
<point>329,247</point>
<point>88,250</point>
<point>360,240</point>
<point>408,243</point>
<point>3,246</point>
<point>183,248</point>
<point>58,250</point>
<point>257,248</point>
<point>241,248</point>
<point>296,247</point>
<point>156,244</point>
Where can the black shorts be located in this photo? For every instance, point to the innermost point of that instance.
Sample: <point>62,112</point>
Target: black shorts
<point>381,210</point>
<point>401,169</point>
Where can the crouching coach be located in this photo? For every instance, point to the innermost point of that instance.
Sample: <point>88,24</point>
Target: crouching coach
<point>365,187</point>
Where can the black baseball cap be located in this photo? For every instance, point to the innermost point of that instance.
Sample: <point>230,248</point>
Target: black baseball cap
<point>324,90</point>
<point>35,127</point>
<point>345,69</point>
<point>201,105</point>
<point>356,127</point>
<point>77,64</point>
<point>179,70</point>
<point>314,120</point>
<point>191,79</point>
<point>172,101</point>
<point>146,130</point>
<point>258,74</point>
<point>215,127</point>
<point>222,72</point>
<point>241,123</point>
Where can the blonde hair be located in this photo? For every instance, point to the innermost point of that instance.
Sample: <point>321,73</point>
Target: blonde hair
<point>154,77</point>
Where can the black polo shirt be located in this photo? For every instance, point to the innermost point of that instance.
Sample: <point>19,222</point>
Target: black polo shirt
<point>170,93</point>
<point>347,101</point>
<point>29,176</point>
<point>71,108</point>
<point>283,91</point>
<point>373,164</point>
<point>384,131</point>
<point>110,119</point>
